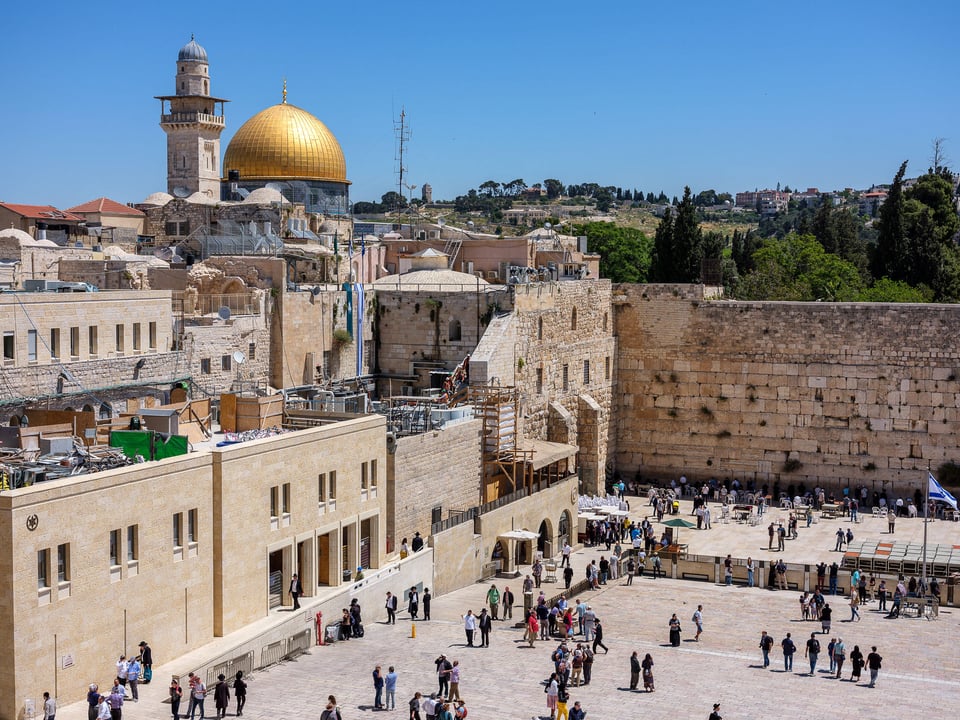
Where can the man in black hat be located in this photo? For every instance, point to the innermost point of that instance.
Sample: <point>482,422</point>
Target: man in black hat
<point>146,659</point>
<point>715,715</point>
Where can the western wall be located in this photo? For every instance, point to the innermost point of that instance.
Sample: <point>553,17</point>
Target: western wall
<point>784,393</point>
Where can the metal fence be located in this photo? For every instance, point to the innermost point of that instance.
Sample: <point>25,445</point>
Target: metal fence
<point>229,668</point>
<point>461,516</point>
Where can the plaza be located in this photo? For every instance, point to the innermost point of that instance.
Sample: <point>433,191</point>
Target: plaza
<point>920,665</point>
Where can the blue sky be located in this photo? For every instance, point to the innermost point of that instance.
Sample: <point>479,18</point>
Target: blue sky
<point>643,95</point>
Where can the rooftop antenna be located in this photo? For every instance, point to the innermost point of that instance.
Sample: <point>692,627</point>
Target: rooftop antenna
<point>402,133</point>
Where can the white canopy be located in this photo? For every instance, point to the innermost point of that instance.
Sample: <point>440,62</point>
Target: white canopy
<point>519,535</point>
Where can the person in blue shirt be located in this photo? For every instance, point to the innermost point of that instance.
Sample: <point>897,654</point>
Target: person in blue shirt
<point>390,685</point>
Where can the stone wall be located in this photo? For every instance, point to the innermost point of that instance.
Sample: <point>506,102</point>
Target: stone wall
<point>438,468</point>
<point>209,345</point>
<point>788,393</point>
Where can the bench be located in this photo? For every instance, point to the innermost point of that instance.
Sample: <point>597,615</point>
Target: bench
<point>695,576</point>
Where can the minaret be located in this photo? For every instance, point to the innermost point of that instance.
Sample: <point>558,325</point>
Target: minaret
<point>191,120</point>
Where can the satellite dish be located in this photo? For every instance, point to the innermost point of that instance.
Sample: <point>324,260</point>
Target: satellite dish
<point>315,290</point>
<point>239,358</point>
<point>181,192</point>
<point>441,222</point>
<point>470,223</point>
<point>547,225</point>
<point>223,313</point>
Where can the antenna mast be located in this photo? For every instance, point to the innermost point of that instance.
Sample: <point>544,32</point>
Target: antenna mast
<point>402,134</point>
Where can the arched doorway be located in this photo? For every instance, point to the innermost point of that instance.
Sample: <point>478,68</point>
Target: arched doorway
<point>563,528</point>
<point>545,540</point>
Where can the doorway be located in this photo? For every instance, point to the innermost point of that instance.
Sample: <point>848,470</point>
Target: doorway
<point>275,579</point>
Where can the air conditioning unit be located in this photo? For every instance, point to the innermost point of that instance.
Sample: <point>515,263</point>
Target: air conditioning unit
<point>492,275</point>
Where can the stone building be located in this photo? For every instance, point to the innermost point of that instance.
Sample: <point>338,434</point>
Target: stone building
<point>188,548</point>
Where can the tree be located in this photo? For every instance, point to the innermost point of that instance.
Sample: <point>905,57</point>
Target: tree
<point>625,253</point>
<point>490,188</point>
<point>602,199</point>
<point>890,255</point>
<point>887,290</point>
<point>662,267</point>
<point>392,200</point>
<point>554,188</point>
<point>938,157</point>
<point>514,187</point>
<point>687,241</point>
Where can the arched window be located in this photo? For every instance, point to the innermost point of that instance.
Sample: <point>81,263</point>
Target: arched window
<point>106,411</point>
<point>454,330</point>
<point>573,319</point>
<point>205,90</point>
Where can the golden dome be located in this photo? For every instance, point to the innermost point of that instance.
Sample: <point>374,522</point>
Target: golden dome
<point>285,141</point>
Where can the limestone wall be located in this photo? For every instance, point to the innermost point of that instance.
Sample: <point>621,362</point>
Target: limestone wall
<point>859,393</point>
<point>439,468</point>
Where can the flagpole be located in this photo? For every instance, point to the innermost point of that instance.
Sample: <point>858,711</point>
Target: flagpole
<point>926,516</point>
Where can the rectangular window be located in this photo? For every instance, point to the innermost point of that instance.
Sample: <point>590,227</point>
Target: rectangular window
<point>333,485</point>
<point>177,531</point>
<point>252,351</point>
<point>540,381</point>
<point>8,345</point>
<point>363,477</point>
<point>192,528</point>
<point>74,342</point>
<point>205,366</point>
<point>152,330</point>
<point>566,378</point>
<point>606,368</point>
<point>285,499</point>
<point>322,488</point>
<point>119,338</point>
<point>225,362</point>
<point>31,345</point>
<point>55,342</point>
<point>133,543</point>
<point>63,563</point>
<point>114,547</point>
<point>93,340</point>
<point>43,568</point>
<point>436,514</point>
<point>136,337</point>
<point>373,473</point>
<point>274,501</point>
<point>586,372</point>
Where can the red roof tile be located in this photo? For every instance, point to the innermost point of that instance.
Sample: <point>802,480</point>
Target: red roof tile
<point>105,205</point>
<point>42,212</point>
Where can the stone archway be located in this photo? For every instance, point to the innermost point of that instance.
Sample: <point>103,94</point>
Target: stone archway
<point>545,539</point>
<point>564,525</point>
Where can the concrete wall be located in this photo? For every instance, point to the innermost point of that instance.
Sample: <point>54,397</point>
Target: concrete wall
<point>438,468</point>
<point>859,393</point>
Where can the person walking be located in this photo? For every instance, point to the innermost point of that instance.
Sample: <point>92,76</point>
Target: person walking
<point>469,626</point>
<point>826,613</point>
<point>533,627</point>
<point>565,554</point>
<point>856,663</point>
<point>839,655</point>
<point>812,652</point>
<point>296,591</point>
<point>485,623</point>
<point>507,599</point>
<point>221,696</point>
<point>176,694</point>
<point>390,687</point>
<point>715,715</point>
<point>882,596</point>
<point>415,706</point>
<point>567,576</point>
<point>657,566</point>
<point>598,637</point>
<point>634,670</point>
<point>240,691</point>
<point>789,648</point>
<point>93,701</point>
<point>578,713</point>
<point>377,688</point>
<point>413,602</point>
<point>427,597</point>
<point>766,644</point>
<point>552,689</point>
<point>873,664</point>
<point>391,606</point>
<point>631,569</point>
<point>891,521</point>
<point>562,698</point>
<point>444,668</point>
<point>49,707</point>
<point>854,605</point>
<point>133,678</point>
<point>698,621</point>
<point>454,681</point>
<point>146,659</point>
<point>198,693</point>
<point>493,600</point>
<point>675,630</point>
<point>751,568</point>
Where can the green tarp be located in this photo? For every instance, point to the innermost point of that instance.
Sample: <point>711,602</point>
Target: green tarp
<point>150,445</point>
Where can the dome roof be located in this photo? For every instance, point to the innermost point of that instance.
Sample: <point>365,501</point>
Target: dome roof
<point>431,280</point>
<point>158,198</point>
<point>263,196</point>
<point>192,52</point>
<point>284,141</point>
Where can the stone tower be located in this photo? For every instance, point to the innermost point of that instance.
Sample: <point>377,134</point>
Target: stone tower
<point>426,193</point>
<point>193,123</point>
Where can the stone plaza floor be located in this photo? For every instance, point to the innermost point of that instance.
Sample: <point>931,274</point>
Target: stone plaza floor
<point>920,675</point>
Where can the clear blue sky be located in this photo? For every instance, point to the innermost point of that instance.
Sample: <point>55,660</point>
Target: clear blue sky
<point>643,95</point>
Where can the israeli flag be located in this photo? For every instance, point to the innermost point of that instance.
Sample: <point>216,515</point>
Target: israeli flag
<point>937,492</point>
<point>361,306</point>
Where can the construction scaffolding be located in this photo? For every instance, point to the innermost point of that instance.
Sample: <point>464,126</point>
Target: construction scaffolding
<point>506,467</point>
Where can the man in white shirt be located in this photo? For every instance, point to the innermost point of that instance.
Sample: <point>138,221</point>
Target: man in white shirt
<point>565,552</point>
<point>122,666</point>
<point>469,626</point>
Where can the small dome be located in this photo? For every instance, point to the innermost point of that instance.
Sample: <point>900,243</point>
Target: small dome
<point>192,52</point>
<point>198,198</point>
<point>18,235</point>
<point>158,198</point>
<point>263,196</point>
<point>449,280</point>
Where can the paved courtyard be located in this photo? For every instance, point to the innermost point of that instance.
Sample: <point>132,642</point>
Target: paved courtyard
<point>921,663</point>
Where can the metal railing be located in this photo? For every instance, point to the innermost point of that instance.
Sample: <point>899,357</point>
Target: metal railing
<point>228,668</point>
<point>237,303</point>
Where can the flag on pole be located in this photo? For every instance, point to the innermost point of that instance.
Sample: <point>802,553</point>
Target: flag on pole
<point>359,334</point>
<point>363,247</point>
<point>937,492</point>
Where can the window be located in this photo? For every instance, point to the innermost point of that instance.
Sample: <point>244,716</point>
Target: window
<point>333,486</point>
<point>92,344</point>
<point>586,372</point>
<point>119,338</point>
<point>436,514</point>
<point>192,529</point>
<point>363,477</point>
<point>454,330</point>
<point>8,346</point>
<point>252,351</point>
<point>274,501</point>
<point>63,563</point>
<point>136,337</point>
<point>539,381</point>
<point>285,498</point>
<point>225,362</point>
<point>152,332</point>
<point>373,474</point>
<point>205,366</point>
<point>605,322</point>
<point>322,489</point>
<point>606,368</point>
<point>31,345</point>
<point>74,342</point>
<point>55,342</point>
<point>573,319</point>
<point>43,569</point>
<point>540,328</point>
<point>177,531</point>
<point>566,378</point>
<point>133,543</point>
<point>114,547</point>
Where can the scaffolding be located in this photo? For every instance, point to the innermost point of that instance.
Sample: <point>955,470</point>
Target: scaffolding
<point>506,467</point>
